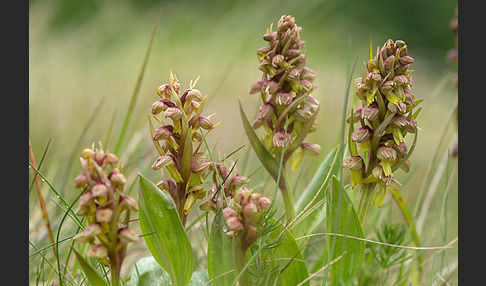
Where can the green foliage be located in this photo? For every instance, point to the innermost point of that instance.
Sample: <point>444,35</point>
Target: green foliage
<point>220,260</point>
<point>164,234</point>
<point>93,277</point>
<point>348,253</point>
<point>148,272</point>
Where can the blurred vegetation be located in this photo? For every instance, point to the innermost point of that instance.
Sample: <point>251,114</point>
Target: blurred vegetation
<point>85,57</point>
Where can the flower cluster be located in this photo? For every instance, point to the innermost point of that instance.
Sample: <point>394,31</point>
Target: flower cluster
<point>246,211</point>
<point>385,118</point>
<point>103,204</point>
<point>222,179</point>
<point>179,113</point>
<point>285,88</point>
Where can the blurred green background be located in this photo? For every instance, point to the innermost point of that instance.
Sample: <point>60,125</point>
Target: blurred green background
<point>85,58</point>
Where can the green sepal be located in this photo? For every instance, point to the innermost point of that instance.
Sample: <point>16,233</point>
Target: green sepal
<point>379,197</point>
<point>174,173</point>
<point>392,97</point>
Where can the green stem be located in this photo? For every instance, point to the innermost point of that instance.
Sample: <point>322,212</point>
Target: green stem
<point>239,258</point>
<point>287,196</point>
<point>115,272</point>
<point>363,200</point>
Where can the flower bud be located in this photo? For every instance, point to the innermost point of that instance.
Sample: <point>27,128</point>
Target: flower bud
<point>280,139</point>
<point>256,87</point>
<point>104,215</point>
<point>234,224</point>
<point>387,86</point>
<point>200,165</point>
<point>272,86</point>
<point>81,181</point>
<point>361,134</point>
<point>127,235</point>
<point>163,161</point>
<point>228,212</point>
<point>164,91</point>
<point>117,179</point>
<point>355,116</point>
<point>265,111</point>
<point>208,205</point>
<point>353,163</point>
<point>405,60</point>
<point>261,52</point>
<point>389,62</point>
<point>250,209</point>
<point>401,148</point>
<point>158,107</point>
<point>205,123</point>
<point>162,133</point>
<point>279,61</point>
<point>283,98</point>
<point>399,121</point>
<point>88,235</point>
<point>128,203</point>
<point>86,199</point>
<point>310,148</point>
<point>176,85</point>
<point>400,80</point>
<point>269,37</point>
<point>238,181</point>
<point>264,203</point>
<point>255,196</point>
<point>98,251</point>
<point>101,193</point>
<point>370,112</point>
<point>194,94</point>
<point>87,153</point>
<point>175,113</point>
<point>386,153</point>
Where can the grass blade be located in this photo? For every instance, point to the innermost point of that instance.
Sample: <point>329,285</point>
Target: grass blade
<point>93,277</point>
<point>41,200</point>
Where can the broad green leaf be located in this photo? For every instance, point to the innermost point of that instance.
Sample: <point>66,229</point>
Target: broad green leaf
<point>317,188</point>
<point>220,257</point>
<point>262,153</point>
<point>165,236</point>
<point>93,277</point>
<point>342,219</point>
<point>287,250</point>
<point>148,272</point>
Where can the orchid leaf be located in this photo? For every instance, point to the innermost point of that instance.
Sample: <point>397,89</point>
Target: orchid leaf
<point>220,256</point>
<point>262,153</point>
<point>342,219</point>
<point>316,192</point>
<point>164,234</point>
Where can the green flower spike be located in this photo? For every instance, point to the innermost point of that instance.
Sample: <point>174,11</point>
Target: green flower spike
<point>386,116</point>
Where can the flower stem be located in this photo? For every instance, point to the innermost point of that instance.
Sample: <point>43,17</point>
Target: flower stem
<point>363,200</point>
<point>288,199</point>
<point>239,258</point>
